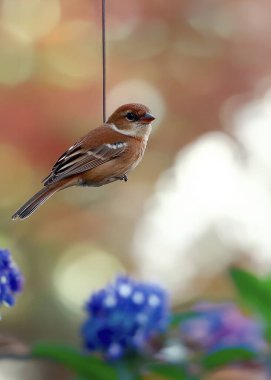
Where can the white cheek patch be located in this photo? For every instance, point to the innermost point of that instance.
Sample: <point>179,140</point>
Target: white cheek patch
<point>122,131</point>
<point>137,130</point>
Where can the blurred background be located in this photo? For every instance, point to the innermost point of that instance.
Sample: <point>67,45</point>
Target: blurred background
<point>201,199</point>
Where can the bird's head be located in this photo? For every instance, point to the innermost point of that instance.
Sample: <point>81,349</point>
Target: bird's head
<point>132,119</point>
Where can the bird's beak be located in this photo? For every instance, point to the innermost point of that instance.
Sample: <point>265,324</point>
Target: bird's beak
<point>147,118</point>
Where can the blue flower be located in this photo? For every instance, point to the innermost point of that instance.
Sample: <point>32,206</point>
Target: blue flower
<point>123,317</point>
<point>11,279</point>
<point>219,326</point>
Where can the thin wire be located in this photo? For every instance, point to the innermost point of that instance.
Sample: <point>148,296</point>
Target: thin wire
<point>104,59</point>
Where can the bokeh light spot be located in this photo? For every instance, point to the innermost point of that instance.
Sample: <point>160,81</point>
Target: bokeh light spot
<point>124,18</point>
<point>35,18</point>
<point>70,56</point>
<point>17,56</point>
<point>156,39</point>
<point>211,20</point>
<point>83,269</point>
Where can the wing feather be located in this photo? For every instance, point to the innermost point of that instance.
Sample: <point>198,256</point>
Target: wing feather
<point>78,159</point>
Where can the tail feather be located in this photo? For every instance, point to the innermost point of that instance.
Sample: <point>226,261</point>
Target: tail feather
<point>33,203</point>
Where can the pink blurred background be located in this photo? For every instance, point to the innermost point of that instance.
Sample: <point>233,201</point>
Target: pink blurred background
<point>200,200</point>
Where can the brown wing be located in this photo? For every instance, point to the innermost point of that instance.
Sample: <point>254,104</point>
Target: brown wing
<point>97,147</point>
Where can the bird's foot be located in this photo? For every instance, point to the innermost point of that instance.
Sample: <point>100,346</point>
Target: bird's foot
<point>124,178</point>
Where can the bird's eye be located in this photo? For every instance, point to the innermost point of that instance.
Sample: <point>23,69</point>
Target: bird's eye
<point>131,116</point>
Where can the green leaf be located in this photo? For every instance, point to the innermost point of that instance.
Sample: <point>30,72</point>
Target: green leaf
<point>86,366</point>
<point>177,318</point>
<point>171,371</point>
<point>255,294</point>
<point>227,356</point>
<point>250,288</point>
<point>267,282</point>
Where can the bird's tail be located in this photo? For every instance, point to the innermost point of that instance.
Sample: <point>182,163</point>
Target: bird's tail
<point>36,201</point>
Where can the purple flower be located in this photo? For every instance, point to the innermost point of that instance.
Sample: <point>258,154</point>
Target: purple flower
<point>11,279</point>
<point>123,316</point>
<point>219,326</point>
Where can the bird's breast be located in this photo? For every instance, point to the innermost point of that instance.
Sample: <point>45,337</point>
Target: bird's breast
<point>116,168</point>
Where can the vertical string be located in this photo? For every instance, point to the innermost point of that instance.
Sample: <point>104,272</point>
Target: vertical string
<point>104,59</point>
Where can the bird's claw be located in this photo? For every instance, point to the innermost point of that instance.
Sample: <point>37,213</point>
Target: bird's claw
<point>124,178</point>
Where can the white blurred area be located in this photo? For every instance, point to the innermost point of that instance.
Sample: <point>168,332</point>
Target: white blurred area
<point>212,208</point>
<point>16,370</point>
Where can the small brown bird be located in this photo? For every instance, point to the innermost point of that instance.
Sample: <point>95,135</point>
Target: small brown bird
<point>106,154</point>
